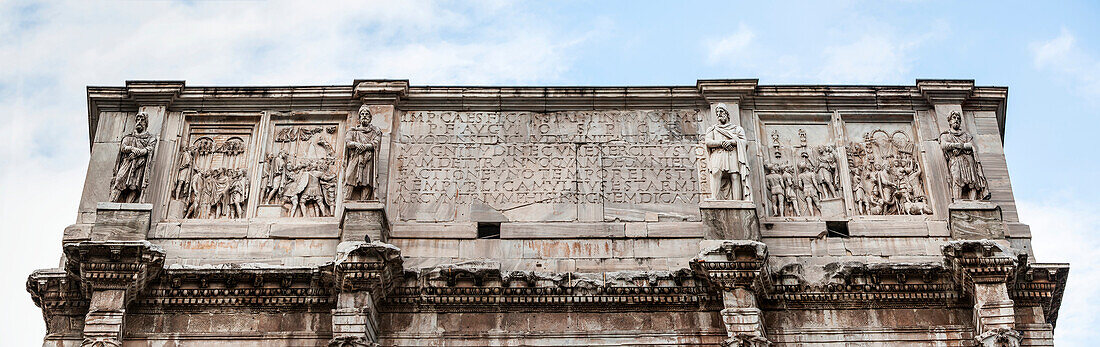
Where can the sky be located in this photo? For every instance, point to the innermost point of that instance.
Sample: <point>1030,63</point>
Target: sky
<point>1047,53</point>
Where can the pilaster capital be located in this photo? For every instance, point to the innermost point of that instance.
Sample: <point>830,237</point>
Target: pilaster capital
<point>981,261</point>
<point>114,265</point>
<point>367,266</point>
<point>946,92</point>
<point>733,264</point>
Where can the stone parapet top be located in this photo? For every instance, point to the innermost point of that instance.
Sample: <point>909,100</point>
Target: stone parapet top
<point>973,205</point>
<point>727,204</point>
<point>124,206</point>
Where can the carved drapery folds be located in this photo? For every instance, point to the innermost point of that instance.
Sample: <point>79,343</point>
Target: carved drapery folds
<point>134,165</point>
<point>966,179</point>
<point>301,171</point>
<point>727,159</point>
<point>212,179</point>
<point>362,143</point>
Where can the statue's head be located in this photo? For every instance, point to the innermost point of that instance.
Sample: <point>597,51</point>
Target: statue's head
<point>955,120</point>
<point>364,115</point>
<point>142,122</point>
<point>722,113</point>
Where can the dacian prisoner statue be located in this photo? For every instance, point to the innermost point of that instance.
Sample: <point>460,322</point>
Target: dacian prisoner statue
<point>362,144</point>
<point>727,161</point>
<point>967,179</point>
<point>132,171</point>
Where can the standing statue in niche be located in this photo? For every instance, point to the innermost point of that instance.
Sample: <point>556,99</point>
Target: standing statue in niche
<point>727,160</point>
<point>134,154</point>
<point>967,179</point>
<point>363,143</point>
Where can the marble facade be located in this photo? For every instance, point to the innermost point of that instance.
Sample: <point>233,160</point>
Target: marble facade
<point>377,213</point>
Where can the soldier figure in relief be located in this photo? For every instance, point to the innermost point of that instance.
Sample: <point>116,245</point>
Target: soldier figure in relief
<point>967,181</point>
<point>362,144</point>
<point>727,160</point>
<point>808,181</point>
<point>776,190</point>
<point>134,154</point>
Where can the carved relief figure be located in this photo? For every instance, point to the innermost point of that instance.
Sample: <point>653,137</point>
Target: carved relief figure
<point>362,144</point>
<point>967,179</point>
<point>886,176</point>
<point>827,182</point>
<point>133,169</point>
<point>777,190</point>
<point>184,170</point>
<point>807,181</point>
<point>727,161</point>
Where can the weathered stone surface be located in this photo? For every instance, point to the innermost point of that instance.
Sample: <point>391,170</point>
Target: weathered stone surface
<point>571,216</point>
<point>116,221</point>
<point>976,221</point>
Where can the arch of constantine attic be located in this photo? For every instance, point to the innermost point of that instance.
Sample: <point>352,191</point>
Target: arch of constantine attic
<point>726,213</point>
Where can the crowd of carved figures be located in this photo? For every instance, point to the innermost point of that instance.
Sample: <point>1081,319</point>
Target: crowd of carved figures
<point>304,182</point>
<point>211,179</point>
<point>798,189</point>
<point>886,175</point>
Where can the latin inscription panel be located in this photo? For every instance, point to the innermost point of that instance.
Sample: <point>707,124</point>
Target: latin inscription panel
<point>559,166</point>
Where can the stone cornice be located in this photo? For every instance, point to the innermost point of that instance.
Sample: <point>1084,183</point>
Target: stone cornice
<point>731,90</point>
<point>380,91</point>
<point>153,93</point>
<point>946,91</point>
<point>747,92</point>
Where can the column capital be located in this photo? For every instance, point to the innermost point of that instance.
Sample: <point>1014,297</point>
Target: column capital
<point>730,264</point>
<point>367,266</point>
<point>981,261</point>
<point>726,90</point>
<point>946,92</point>
<point>153,93</point>
<point>114,265</point>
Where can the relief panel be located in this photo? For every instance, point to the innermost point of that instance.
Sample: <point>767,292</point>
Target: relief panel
<point>886,172</point>
<point>801,168</point>
<point>212,172</point>
<point>300,171</point>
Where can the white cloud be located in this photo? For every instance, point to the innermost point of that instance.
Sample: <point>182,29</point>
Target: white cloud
<point>50,51</point>
<point>732,47</point>
<point>1065,232</point>
<point>1063,56</point>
